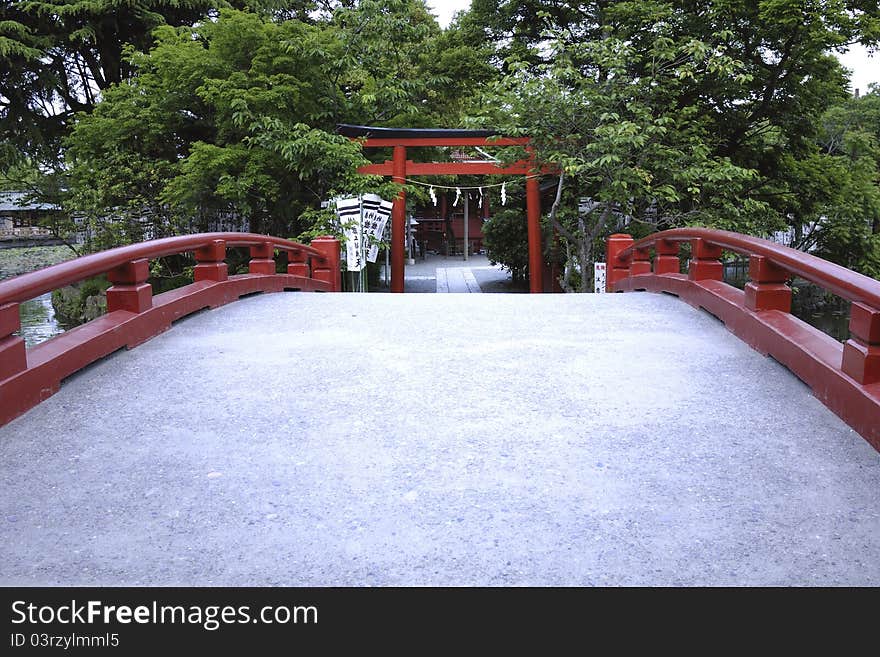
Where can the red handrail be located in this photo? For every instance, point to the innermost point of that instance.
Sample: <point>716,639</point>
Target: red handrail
<point>841,281</point>
<point>134,315</point>
<point>846,377</point>
<point>28,286</point>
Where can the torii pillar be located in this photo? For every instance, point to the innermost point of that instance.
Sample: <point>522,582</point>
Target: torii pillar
<point>533,219</point>
<point>398,221</point>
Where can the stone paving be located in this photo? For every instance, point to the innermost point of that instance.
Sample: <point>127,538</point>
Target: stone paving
<point>455,275</point>
<point>447,439</point>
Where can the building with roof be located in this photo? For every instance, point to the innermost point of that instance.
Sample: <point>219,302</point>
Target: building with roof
<point>22,218</point>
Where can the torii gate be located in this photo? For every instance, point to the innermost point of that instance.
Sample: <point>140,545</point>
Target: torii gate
<point>399,168</point>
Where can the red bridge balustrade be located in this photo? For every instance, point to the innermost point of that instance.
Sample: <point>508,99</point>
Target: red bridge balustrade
<point>134,315</point>
<point>845,377</point>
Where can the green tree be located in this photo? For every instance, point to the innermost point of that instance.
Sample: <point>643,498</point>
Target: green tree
<point>622,141</point>
<point>506,239</point>
<point>232,118</point>
<point>845,226</point>
<point>58,56</point>
<point>678,111</point>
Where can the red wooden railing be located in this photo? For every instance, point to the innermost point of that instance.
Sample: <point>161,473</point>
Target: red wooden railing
<point>845,377</point>
<point>134,315</point>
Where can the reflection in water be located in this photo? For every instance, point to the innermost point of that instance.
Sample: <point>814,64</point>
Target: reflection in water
<point>38,322</point>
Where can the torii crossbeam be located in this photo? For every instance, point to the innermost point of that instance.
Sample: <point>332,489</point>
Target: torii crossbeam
<point>400,168</point>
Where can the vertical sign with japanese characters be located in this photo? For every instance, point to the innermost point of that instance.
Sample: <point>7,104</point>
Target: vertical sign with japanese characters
<point>378,219</point>
<point>349,212</point>
<point>599,276</point>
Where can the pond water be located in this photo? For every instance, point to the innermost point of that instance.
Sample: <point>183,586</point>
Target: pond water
<point>38,322</point>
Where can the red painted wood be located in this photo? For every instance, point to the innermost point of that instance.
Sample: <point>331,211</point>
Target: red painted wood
<point>130,291</point>
<point>379,142</point>
<point>768,296</point>
<point>131,273</point>
<point>701,270</point>
<point>864,323</point>
<point>10,319</point>
<point>521,168</point>
<point>666,259</point>
<point>846,378</point>
<point>641,262</point>
<point>130,298</point>
<point>211,265</point>
<point>762,270</point>
<point>29,286</point>
<point>861,353</point>
<point>214,251</point>
<point>861,361</point>
<point>704,264</point>
<point>297,264</point>
<point>704,250</point>
<point>533,219</point>
<point>262,259</point>
<point>326,269</point>
<point>13,356</point>
<point>618,268</point>
<point>836,279</point>
<point>134,316</point>
<point>398,220</point>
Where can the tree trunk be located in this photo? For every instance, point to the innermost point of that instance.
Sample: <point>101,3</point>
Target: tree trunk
<point>566,274</point>
<point>583,251</point>
<point>554,209</point>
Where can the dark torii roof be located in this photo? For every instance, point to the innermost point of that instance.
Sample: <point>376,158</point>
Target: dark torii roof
<point>349,130</point>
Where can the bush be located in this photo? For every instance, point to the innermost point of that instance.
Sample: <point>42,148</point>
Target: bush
<point>507,242</point>
<point>81,302</point>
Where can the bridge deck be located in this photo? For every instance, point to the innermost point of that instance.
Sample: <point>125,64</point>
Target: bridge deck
<point>305,439</point>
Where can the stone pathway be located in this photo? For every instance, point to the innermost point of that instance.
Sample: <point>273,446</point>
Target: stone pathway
<point>456,280</point>
<point>439,274</point>
<point>405,440</point>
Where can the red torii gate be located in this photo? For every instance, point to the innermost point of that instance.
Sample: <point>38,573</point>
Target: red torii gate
<point>399,168</point>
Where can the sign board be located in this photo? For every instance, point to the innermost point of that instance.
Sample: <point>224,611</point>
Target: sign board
<point>349,211</point>
<point>599,276</point>
<point>376,213</point>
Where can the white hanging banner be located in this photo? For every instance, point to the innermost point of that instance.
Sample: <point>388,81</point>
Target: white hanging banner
<point>349,212</point>
<point>377,212</point>
<point>599,277</point>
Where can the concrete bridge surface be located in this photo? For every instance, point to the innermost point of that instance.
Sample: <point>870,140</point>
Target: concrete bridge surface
<point>341,439</point>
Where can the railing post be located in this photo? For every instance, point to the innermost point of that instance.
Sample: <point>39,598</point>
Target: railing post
<point>13,355</point>
<point>641,262</point>
<point>211,265</point>
<point>704,264</point>
<point>297,263</point>
<point>767,289</point>
<point>617,269</point>
<point>262,259</point>
<point>327,269</point>
<point>666,257</point>
<point>130,289</point>
<point>861,353</point>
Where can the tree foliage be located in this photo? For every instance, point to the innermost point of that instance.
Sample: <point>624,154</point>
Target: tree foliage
<point>151,117</point>
<point>58,56</point>
<point>670,112</point>
<point>236,117</point>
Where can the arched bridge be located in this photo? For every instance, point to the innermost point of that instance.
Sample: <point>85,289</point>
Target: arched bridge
<point>355,439</point>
